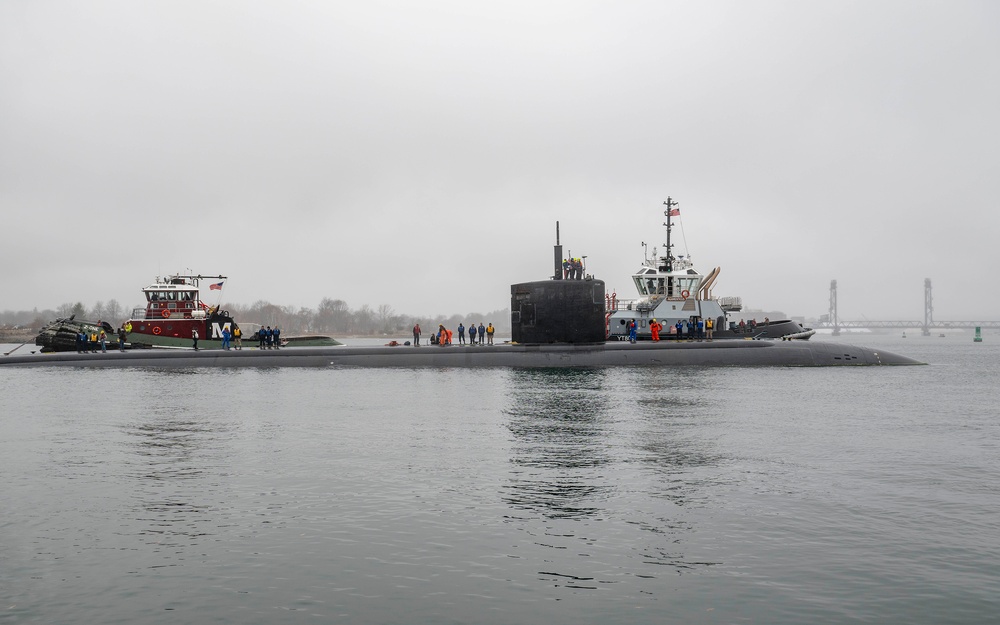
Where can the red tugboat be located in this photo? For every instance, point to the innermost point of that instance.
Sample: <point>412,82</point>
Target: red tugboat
<point>174,310</point>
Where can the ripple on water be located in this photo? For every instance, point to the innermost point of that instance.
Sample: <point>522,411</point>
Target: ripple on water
<point>496,496</point>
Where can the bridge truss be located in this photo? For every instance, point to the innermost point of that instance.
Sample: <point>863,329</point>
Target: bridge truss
<point>926,326</point>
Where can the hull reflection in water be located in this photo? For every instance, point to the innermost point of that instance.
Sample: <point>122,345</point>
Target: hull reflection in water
<point>558,439</point>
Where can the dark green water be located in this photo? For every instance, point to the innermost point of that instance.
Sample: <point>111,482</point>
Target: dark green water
<point>506,496</point>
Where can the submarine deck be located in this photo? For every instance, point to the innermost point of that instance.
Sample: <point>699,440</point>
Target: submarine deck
<point>743,353</point>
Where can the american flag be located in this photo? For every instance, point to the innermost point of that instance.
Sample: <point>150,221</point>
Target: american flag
<point>215,287</point>
<point>674,212</point>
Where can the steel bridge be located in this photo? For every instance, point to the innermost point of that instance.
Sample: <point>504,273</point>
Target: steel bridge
<point>926,326</point>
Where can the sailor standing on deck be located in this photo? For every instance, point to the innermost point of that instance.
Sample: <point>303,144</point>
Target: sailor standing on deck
<point>489,333</point>
<point>472,334</point>
<point>482,332</point>
<point>194,338</point>
<point>461,333</point>
<point>122,336</point>
<point>416,335</point>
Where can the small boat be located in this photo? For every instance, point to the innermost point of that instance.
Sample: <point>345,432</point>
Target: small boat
<point>672,291</point>
<point>174,310</point>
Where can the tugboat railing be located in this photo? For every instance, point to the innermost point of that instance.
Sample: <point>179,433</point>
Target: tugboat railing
<point>639,305</point>
<point>731,304</point>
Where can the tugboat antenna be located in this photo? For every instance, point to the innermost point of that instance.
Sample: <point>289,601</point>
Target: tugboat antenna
<point>670,204</point>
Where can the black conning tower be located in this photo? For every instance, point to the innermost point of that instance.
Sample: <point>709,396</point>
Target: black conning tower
<point>558,310</point>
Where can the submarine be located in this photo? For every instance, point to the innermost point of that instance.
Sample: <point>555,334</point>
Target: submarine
<point>736,353</point>
<point>560,322</point>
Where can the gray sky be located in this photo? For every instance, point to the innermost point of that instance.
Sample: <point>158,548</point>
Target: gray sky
<point>419,154</point>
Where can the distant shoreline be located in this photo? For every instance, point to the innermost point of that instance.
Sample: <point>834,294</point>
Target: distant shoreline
<point>17,336</point>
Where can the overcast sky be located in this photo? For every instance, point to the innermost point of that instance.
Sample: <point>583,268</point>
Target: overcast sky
<point>419,154</point>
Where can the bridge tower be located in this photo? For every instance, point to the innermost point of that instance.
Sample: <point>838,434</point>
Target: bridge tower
<point>833,308</point>
<point>928,307</point>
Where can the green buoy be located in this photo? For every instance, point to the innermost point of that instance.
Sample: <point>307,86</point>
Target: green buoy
<point>979,335</point>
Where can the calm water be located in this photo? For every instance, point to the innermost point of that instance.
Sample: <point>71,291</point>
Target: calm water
<point>506,496</point>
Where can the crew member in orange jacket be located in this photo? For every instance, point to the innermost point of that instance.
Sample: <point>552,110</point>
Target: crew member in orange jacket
<point>654,329</point>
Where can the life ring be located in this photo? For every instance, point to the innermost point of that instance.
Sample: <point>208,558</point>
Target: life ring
<point>165,313</point>
<point>685,293</point>
<point>157,329</point>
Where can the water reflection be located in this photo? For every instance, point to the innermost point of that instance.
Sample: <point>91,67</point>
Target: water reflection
<point>667,420</point>
<point>172,463</point>
<point>557,418</point>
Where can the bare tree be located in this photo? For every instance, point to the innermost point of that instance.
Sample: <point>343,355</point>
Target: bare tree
<point>333,315</point>
<point>67,310</point>
<point>113,310</point>
<point>304,320</point>
<point>363,320</point>
<point>385,314</point>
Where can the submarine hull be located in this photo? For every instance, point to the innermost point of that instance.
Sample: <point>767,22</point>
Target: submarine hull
<point>745,353</point>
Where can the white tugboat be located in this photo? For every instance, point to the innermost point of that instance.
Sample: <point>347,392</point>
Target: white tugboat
<point>672,291</point>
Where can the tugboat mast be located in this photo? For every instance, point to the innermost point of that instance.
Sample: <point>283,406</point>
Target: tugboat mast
<point>669,258</point>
